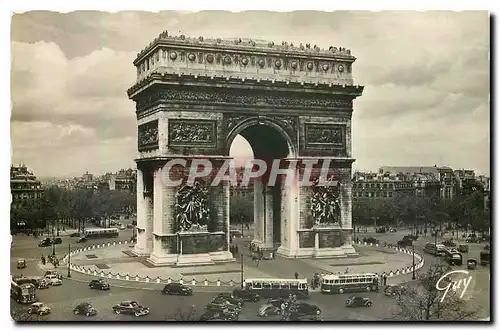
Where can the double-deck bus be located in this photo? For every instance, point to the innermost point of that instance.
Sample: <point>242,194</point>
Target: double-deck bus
<point>278,287</point>
<point>349,283</point>
<point>101,233</point>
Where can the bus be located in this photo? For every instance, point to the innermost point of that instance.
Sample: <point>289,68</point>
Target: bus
<point>25,293</point>
<point>101,233</point>
<point>349,283</point>
<point>277,287</point>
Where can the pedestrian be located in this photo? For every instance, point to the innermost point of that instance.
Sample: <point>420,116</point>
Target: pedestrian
<point>296,275</point>
<point>236,249</point>
<point>346,270</point>
<point>385,280</point>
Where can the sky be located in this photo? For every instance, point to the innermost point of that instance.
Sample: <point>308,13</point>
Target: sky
<point>426,78</point>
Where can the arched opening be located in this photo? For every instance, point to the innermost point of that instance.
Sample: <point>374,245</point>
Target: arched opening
<point>255,139</point>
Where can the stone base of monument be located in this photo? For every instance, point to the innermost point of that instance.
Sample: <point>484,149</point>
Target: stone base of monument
<point>162,260</point>
<point>222,257</point>
<point>139,251</point>
<point>194,260</point>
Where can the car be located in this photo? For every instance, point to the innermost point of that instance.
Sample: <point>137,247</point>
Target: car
<point>235,234</point>
<point>39,308</point>
<point>486,248</point>
<point>130,307</point>
<point>449,243</point>
<point>99,284</point>
<point>39,282</point>
<point>463,248</point>
<point>121,227</point>
<point>75,234</point>
<point>411,237</point>
<point>21,264</point>
<point>219,315</point>
<point>58,240</point>
<point>53,280</point>
<point>52,272</point>
<point>246,295</point>
<point>381,230</point>
<point>303,309</point>
<point>45,242</point>
<point>355,301</point>
<point>219,302</point>
<point>130,226</point>
<point>405,242</point>
<point>86,309</point>
<point>268,310</point>
<point>276,301</point>
<point>81,240</point>
<point>392,230</point>
<point>370,240</point>
<point>231,299</point>
<point>177,289</point>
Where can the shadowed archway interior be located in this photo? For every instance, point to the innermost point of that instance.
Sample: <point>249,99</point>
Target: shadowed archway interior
<point>267,144</point>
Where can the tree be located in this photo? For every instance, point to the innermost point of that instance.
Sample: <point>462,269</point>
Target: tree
<point>184,315</point>
<point>422,301</point>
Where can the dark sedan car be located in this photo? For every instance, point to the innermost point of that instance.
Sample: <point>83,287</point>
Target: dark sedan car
<point>358,302</point>
<point>86,309</point>
<point>99,284</point>
<point>231,299</point>
<point>45,242</point>
<point>246,295</point>
<point>58,240</point>
<point>276,301</point>
<point>131,308</point>
<point>370,240</point>
<point>81,240</point>
<point>75,234</point>
<point>177,289</point>
<point>306,309</point>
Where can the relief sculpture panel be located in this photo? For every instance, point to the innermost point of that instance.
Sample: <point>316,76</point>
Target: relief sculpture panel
<point>148,136</point>
<point>192,133</point>
<point>326,136</point>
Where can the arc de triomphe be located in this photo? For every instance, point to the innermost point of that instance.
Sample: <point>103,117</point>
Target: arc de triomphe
<point>294,103</point>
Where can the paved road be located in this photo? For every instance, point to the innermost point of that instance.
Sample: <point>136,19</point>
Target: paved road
<point>64,298</point>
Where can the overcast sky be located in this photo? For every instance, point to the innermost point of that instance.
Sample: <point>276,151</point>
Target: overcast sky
<point>426,99</point>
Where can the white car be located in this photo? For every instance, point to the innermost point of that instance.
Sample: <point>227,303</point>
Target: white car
<point>122,227</point>
<point>53,280</point>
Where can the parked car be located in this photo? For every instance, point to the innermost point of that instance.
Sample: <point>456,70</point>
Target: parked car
<point>231,299</point>
<point>370,240</point>
<point>58,240</point>
<point>39,308</point>
<point>131,308</point>
<point>463,248</point>
<point>81,240</point>
<point>130,226</point>
<point>45,242</point>
<point>268,310</point>
<point>177,289</point>
<point>75,234</point>
<point>53,280</point>
<point>219,315</point>
<point>99,284</point>
<point>246,295</point>
<point>355,301</point>
<point>86,309</point>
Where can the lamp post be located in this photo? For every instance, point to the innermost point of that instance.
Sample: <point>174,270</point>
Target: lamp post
<point>69,260</point>
<point>241,257</point>
<point>413,266</point>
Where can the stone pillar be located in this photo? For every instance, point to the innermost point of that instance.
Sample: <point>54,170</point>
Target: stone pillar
<point>346,216</point>
<point>316,240</point>
<point>148,198</point>
<point>140,246</point>
<point>269,218</point>
<point>258,212</point>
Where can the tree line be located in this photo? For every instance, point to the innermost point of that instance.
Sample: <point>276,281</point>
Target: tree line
<point>465,211</point>
<point>75,208</point>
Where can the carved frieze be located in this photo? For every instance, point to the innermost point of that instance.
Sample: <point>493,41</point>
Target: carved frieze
<point>326,134</point>
<point>244,98</point>
<point>147,138</point>
<point>233,120</point>
<point>192,133</point>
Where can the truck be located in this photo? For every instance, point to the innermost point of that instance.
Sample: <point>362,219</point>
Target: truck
<point>25,293</point>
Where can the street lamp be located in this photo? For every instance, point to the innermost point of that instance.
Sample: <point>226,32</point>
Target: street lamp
<point>413,267</point>
<point>69,260</point>
<point>241,257</point>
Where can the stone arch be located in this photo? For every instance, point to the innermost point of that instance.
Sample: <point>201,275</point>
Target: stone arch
<point>261,120</point>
